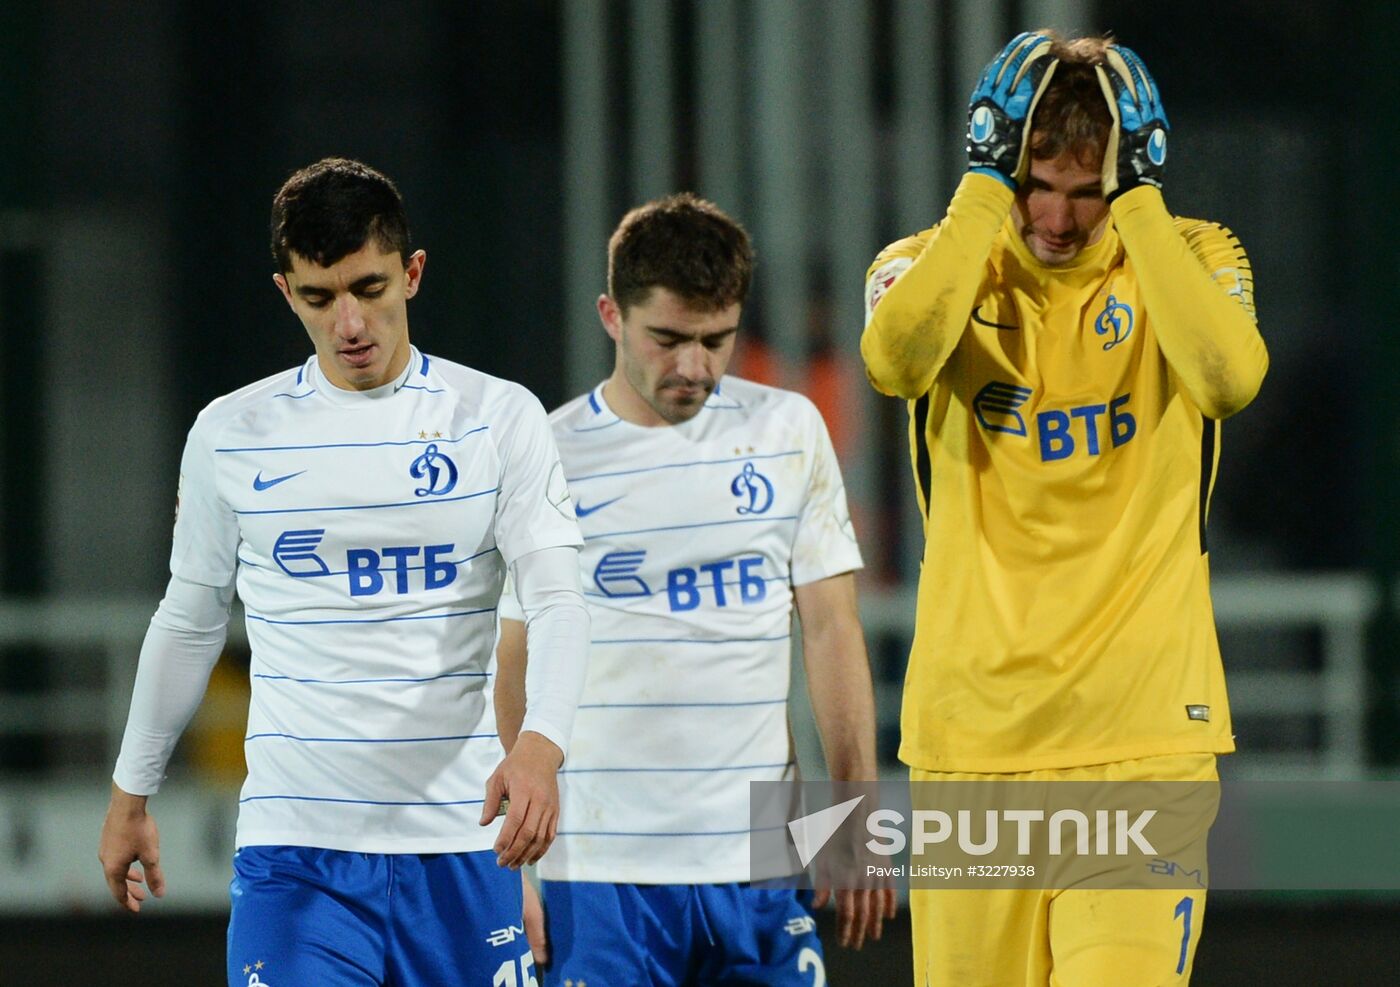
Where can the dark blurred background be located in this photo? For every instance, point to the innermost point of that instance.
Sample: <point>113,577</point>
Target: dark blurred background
<point>140,145</point>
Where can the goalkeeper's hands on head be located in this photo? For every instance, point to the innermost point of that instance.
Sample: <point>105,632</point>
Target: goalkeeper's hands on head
<point>1137,144</point>
<point>999,115</point>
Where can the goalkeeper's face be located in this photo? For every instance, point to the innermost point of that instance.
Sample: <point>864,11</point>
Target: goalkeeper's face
<point>356,312</point>
<point>670,356</point>
<point>1060,208</point>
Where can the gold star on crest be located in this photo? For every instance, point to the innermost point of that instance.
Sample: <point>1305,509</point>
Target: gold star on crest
<point>247,969</point>
<point>437,435</point>
<point>422,435</point>
<point>258,965</point>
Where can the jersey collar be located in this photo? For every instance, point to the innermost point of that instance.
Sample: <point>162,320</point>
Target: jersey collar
<point>1089,263</point>
<point>348,398</point>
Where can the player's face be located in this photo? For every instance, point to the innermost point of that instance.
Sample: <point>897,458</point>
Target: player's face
<point>356,312</point>
<point>669,356</point>
<point>1060,208</point>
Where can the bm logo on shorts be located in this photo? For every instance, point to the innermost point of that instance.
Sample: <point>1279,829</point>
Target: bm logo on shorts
<point>1087,429</point>
<point>503,937</point>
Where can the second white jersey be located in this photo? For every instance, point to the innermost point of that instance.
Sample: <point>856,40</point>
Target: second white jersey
<point>694,537</point>
<point>370,534</point>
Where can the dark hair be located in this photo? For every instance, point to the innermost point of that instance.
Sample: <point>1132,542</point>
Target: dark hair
<point>684,244</point>
<point>1072,114</point>
<point>331,209</point>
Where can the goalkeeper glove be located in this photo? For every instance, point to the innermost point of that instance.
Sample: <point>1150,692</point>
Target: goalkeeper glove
<point>999,117</point>
<point>1137,144</point>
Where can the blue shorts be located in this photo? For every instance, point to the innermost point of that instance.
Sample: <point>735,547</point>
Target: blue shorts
<point>303,916</point>
<point>666,935</point>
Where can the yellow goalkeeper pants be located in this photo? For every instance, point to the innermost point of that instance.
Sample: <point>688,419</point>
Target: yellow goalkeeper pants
<point>1061,938</point>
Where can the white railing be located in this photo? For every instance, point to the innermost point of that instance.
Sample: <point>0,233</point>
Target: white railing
<point>49,821</point>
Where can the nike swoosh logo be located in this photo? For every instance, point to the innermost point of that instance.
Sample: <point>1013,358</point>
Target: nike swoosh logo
<point>582,511</point>
<point>995,325</point>
<point>260,484</point>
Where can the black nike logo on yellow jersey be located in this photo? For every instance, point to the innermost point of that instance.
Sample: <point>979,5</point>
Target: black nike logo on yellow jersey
<point>976,317</point>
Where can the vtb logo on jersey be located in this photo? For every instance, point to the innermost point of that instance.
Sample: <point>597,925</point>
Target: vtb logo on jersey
<point>1060,432</point>
<point>1115,322</point>
<point>753,487</point>
<point>437,469</point>
<point>996,407</point>
<point>616,574</point>
<point>295,553</point>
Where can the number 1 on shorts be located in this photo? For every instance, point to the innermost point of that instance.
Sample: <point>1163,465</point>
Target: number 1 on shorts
<point>1183,908</point>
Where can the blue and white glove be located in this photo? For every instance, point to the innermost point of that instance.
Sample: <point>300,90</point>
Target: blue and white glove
<point>999,116</point>
<point>1137,144</point>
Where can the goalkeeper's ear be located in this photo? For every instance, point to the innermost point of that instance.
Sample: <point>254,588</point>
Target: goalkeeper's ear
<point>1109,169</point>
<point>1023,166</point>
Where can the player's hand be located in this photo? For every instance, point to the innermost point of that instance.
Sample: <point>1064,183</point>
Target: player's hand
<point>999,115</point>
<point>129,835</point>
<point>1137,144</point>
<point>526,783</point>
<point>534,923</point>
<point>860,913</point>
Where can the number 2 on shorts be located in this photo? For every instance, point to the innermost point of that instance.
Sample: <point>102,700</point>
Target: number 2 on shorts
<point>810,959</point>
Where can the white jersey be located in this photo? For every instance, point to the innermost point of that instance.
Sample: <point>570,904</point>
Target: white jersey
<point>694,537</point>
<point>370,533</point>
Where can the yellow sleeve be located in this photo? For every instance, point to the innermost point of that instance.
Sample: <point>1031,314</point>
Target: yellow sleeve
<point>1197,285</point>
<point>918,321</point>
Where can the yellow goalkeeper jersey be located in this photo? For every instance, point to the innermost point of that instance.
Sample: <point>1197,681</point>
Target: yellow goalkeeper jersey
<point>1064,432</point>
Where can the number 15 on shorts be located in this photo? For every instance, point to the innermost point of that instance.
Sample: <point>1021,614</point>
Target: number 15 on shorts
<point>507,975</point>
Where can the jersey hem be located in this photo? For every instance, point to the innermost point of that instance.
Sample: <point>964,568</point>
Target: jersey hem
<point>615,874</point>
<point>922,761</point>
<point>365,843</point>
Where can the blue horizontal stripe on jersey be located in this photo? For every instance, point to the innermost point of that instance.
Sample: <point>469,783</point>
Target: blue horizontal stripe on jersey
<point>680,527</point>
<point>374,507</point>
<point>418,387</point>
<point>430,678</point>
<point>324,798</point>
<point>753,702</point>
<point>732,767</point>
<point>367,740</point>
<point>294,397</point>
<point>686,640</point>
<point>736,584</point>
<point>392,568</point>
<point>372,620</point>
<point>676,466</point>
<point>355,445</point>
